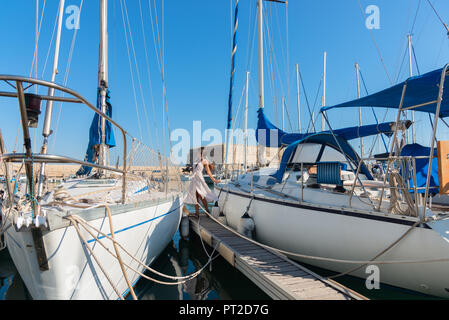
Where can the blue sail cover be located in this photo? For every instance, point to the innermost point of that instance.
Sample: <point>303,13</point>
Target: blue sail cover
<point>95,135</point>
<point>346,133</point>
<point>322,138</point>
<point>269,135</point>
<point>422,166</point>
<point>420,90</point>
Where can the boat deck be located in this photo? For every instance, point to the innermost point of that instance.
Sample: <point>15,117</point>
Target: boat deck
<point>275,274</point>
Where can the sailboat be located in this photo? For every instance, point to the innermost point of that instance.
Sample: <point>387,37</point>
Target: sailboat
<point>322,205</point>
<point>57,236</point>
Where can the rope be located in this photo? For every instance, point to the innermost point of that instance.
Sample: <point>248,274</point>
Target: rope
<point>119,258</point>
<point>84,223</point>
<point>183,278</point>
<point>395,181</point>
<point>86,244</point>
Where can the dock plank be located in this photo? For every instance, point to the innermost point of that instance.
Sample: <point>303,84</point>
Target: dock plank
<point>275,274</point>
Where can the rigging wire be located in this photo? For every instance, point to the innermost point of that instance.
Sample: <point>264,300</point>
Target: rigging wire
<point>416,16</point>
<point>307,102</point>
<point>271,71</point>
<point>38,32</point>
<point>148,72</point>
<point>439,17</point>
<point>51,42</point>
<point>416,61</point>
<point>288,54</point>
<point>34,63</point>
<point>312,120</point>
<point>131,71</point>
<point>136,64</point>
<point>272,46</point>
<point>162,70</point>
<point>375,44</point>
<point>375,117</point>
<point>66,76</point>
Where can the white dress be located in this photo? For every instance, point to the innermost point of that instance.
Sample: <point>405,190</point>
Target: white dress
<point>197,184</point>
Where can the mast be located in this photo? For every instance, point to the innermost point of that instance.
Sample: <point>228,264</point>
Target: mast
<point>103,77</point>
<point>360,108</point>
<point>245,161</point>
<point>283,113</point>
<point>298,100</point>
<point>411,75</point>
<point>46,131</point>
<point>231,84</point>
<point>260,50</point>
<point>323,101</point>
<point>261,149</point>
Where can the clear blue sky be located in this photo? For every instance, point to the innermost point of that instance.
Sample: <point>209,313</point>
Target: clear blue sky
<point>197,41</point>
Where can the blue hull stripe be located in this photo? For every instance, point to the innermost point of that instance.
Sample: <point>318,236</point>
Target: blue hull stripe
<point>136,225</point>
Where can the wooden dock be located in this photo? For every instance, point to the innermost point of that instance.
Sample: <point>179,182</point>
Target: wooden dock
<point>275,274</point>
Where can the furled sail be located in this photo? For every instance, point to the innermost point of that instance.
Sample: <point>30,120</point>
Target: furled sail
<point>268,134</point>
<point>95,136</point>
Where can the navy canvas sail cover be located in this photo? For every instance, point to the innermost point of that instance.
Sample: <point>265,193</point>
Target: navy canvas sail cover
<point>346,133</point>
<point>420,90</point>
<point>95,136</point>
<point>267,134</point>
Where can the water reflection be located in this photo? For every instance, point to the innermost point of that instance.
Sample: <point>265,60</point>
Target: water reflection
<point>11,285</point>
<point>220,281</point>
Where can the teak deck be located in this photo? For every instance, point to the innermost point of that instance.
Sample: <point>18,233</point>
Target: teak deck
<point>275,274</point>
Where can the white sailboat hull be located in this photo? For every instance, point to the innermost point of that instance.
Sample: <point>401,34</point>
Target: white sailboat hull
<point>73,273</point>
<point>336,234</point>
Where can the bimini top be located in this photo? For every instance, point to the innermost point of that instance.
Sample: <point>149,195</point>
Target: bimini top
<point>323,138</point>
<point>422,92</point>
<point>275,137</point>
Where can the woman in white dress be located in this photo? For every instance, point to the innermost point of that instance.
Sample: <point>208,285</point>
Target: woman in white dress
<point>198,189</point>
